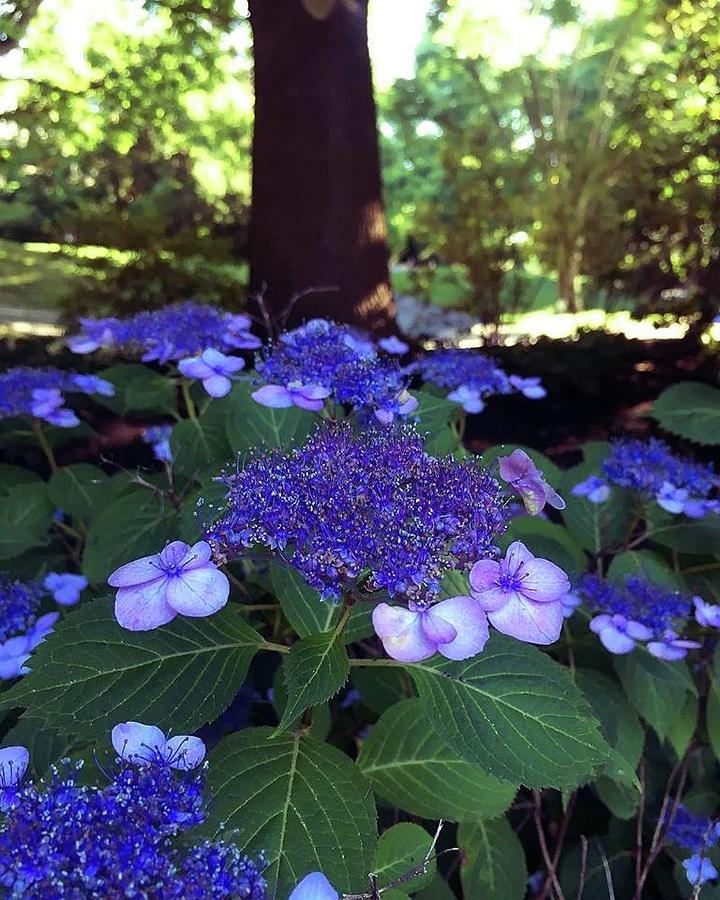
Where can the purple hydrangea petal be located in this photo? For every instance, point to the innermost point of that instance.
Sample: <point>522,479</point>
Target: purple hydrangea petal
<point>13,765</point>
<point>470,623</point>
<point>198,592</point>
<point>138,743</point>
<point>706,614</point>
<point>144,606</point>
<point>217,386</point>
<point>543,581</point>
<point>516,466</point>
<point>670,498</point>
<point>199,554</point>
<point>436,628</point>
<point>195,367</point>
<point>616,641</point>
<point>534,623</point>
<point>273,395</point>
<point>401,633</point>
<point>393,345</point>
<point>314,886</point>
<point>184,752</point>
<point>637,631</point>
<point>599,623</point>
<point>139,571</point>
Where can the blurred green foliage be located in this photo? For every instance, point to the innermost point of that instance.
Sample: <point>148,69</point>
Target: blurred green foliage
<point>565,142</point>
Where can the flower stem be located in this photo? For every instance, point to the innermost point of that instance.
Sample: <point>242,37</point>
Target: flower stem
<point>189,402</point>
<point>44,445</point>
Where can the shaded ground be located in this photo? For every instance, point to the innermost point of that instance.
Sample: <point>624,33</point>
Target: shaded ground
<point>598,386</point>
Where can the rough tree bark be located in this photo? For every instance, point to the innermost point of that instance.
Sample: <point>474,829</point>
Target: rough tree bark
<point>317,216</point>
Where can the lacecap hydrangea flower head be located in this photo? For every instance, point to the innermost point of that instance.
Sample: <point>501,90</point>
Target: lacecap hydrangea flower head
<point>174,332</point>
<point>40,393</point>
<point>472,377</point>
<point>321,359</point>
<point>133,837</point>
<point>371,508</point>
<point>678,485</point>
<point>638,611</point>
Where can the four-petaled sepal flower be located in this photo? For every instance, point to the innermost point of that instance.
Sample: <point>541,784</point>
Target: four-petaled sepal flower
<point>214,369</point>
<point>305,396</point>
<point>456,628</point>
<point>521,594</point>
<point>178,580</point>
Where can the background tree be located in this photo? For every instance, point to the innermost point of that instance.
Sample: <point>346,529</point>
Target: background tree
<point>317,210</point>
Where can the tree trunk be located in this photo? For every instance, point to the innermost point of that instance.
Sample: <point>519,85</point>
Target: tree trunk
<point>568,272</point>
<point>317,218</point>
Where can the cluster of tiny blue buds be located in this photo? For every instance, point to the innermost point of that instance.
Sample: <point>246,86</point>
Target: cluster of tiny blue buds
<point>692,832</point>
<point>19,604</point>
<point>335,357</point>
<point>455,368</point>
<point>646,466</point>
<point>371,506</point>
<point>66,839</point>
<point>170,333</point>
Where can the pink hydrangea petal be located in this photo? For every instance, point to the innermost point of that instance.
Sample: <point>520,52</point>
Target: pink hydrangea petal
<point>516,466</point>
<point>401,633</point>
<point>437,629</point>
<point>273,395</point>
<point>194,367</point>
<point>534,623</point>
<point>471,626</point>
<point>139,571</point>
<point>543,581</point>
<point>185,752</point>
<point>143,607</point>
<point>217,385</point>
<point>137,742</point>
<point>198,592</point>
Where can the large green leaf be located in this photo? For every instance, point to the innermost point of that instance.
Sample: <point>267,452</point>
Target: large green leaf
<point>302,803</point>
<point>25,515</point>
<point>380,687</point>
<point>401,849</point>
<point>314,671</point>
<point>307,613</point>
<point>138,389</point>
<point>690,409</point>
<point>201,445</point>
<point>683,534</point>
<point>494,865</point>
<point>91,673</point>
<point>437,418</point>
<point>617,785</point>
<point>10,476</point>
<point>514,711</point>
<point>595,526</point>
<point>46,745</point>
<point>138,523</point>
<point>654,687</point>
<point>79,489</point>
<point>408,765</point>
<point>645,564</point>
<point>251,426</point>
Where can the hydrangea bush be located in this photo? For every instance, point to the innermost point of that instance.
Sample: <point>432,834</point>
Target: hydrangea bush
<point>337,655</point>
